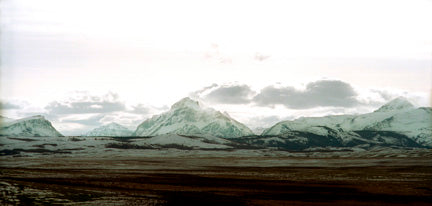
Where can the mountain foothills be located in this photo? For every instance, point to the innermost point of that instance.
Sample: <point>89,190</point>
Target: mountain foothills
<point>110,130</point>
<point>187,117</point>
<point>396,124</point>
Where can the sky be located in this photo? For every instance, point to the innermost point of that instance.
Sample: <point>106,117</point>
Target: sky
<point>84,63</point>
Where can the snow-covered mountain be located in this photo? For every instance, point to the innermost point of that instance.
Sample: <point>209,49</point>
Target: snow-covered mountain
<point>187,117</point>
<point>35,126</point>
<point>398,116</point>
<point>110,130</point>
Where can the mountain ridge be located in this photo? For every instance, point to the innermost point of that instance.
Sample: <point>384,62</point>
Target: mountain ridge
<point>398,115</point>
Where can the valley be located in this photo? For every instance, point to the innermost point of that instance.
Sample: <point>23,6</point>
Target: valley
<point>213,180</point>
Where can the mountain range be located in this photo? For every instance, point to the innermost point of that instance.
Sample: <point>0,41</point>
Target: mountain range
<point>397,123</point>
<point>398,116</point>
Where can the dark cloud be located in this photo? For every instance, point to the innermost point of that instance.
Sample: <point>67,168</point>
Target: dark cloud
<point>8,105</point>
<point>322,93</point>
<point>236,94</point>
<point>88,104</point>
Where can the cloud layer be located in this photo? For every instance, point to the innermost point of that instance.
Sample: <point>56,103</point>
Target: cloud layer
<point>324,93</point>
<point>84,107</point>
<point>82,111</point>
<point>8,105</point>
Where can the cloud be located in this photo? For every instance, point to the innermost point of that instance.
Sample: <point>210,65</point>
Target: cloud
<point>83,111</point>
<point>197,93</point>
<point>236,94</point>
<point>8,105</point>
<point>87,104</point>
<point>386,95</point>
<point>94,120</point>
<point>233,94</point>
<point>383,96</point>
<point>215,54</point>
<point>91,121</point>
<point>260,57</point>
<point>140,109</point>
<point>323,93</point>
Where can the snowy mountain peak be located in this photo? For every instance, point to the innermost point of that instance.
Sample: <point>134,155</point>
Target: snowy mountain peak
<point>396,104</point>
<point>186,102</point>
<point>186,117</point>
<point>110,130</point>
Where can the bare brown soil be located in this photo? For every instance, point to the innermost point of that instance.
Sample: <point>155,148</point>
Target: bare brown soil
<point>215,181</point>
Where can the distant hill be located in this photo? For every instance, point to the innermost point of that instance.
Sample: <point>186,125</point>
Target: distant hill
<point>110,130</point>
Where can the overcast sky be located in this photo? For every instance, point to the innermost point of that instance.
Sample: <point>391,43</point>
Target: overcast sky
<point>86,63</point>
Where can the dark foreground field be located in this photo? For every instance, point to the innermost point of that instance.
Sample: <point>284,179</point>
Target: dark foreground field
<point>216,181</point>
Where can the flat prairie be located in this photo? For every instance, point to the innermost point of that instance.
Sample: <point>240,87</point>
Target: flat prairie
<point>47,180</point>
